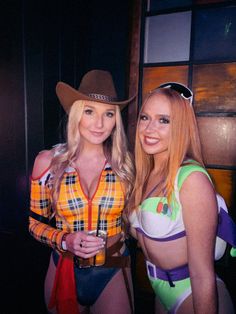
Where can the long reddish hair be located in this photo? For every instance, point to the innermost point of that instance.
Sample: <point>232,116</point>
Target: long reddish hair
<point>184,143</point>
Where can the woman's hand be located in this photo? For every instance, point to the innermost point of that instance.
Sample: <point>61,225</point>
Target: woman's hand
<point>83,245</point>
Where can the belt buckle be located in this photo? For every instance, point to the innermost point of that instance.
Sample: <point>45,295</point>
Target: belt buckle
<point>151,269</point>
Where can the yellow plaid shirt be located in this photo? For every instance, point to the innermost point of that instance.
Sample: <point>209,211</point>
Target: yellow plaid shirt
<point>79,212</point>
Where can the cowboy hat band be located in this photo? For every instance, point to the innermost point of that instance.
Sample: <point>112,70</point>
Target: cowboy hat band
<point>102,97</point>
<point>96,85</point>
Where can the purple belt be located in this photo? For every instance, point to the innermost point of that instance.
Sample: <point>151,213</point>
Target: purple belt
<point>169,275</point>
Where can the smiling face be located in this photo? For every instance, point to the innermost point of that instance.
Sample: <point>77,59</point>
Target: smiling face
<point>154,125</point>
<point>97,122</point>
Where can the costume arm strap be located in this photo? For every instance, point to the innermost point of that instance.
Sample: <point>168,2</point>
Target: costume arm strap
<point>38,217</point>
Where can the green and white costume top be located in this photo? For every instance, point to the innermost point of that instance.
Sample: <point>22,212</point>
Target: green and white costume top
<point>160,221</point>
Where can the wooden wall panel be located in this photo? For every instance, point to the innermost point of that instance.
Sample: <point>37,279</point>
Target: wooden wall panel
<point>135,29</point>
<point>218,140</point>
<point>214,87</point>
<point>224,181</point>
<point>154,76</point>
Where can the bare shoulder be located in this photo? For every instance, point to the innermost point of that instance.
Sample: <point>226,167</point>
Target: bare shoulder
<point>197,188</point>
<point>197,180</point>
<point>42,163</point>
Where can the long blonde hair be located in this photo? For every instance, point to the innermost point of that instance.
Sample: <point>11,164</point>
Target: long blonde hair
<point>115,150</point>
<point>184,143</point>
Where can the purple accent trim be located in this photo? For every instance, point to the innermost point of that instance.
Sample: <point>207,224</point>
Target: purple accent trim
<point>153,189</point>
<point>169,275</point>
<point>173,237</point>
<point>226,228</point>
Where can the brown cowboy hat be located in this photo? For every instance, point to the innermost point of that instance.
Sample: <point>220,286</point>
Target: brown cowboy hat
<point>96,85</point>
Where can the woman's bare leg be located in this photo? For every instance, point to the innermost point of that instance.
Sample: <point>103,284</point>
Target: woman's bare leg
<point>187,306</point>
<point>114,298</point>
<point>159,308</point>
<point>225,304</point>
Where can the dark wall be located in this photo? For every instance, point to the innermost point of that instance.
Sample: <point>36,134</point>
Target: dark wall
<point>42,42</point>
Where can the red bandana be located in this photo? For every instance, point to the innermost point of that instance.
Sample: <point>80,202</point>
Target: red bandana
<point>63,295</point>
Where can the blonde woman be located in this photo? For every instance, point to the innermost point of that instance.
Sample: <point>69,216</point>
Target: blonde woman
<point>84,185</point>
<point>173,208</point>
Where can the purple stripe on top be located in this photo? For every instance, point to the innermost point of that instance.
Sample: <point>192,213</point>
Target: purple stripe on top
<point>226,228</point>
<point>170,238</point>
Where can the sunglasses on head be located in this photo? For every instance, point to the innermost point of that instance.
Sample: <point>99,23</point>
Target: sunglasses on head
<point>183,90</point>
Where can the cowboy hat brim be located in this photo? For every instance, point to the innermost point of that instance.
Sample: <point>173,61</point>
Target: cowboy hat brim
<point>67,95</point>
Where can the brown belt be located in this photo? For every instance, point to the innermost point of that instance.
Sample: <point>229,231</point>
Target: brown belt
<point>120,262</point>
<point>116,261</point>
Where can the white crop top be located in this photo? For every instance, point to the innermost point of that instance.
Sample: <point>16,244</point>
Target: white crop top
<point>162,222</point>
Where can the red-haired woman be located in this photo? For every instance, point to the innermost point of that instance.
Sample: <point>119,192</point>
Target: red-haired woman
<point>173,208</point>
